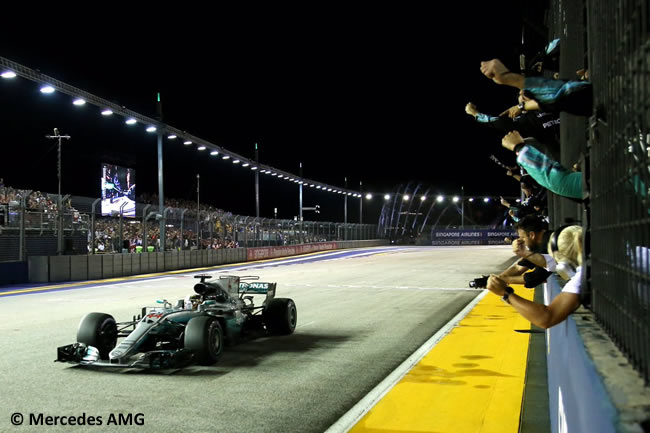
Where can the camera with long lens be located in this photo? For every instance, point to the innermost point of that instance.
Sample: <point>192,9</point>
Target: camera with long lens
<point>479,283</point>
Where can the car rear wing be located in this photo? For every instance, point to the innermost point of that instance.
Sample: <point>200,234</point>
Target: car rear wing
<point>258,287</point>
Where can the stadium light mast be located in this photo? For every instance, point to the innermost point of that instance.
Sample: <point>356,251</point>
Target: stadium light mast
<point>161,199</point>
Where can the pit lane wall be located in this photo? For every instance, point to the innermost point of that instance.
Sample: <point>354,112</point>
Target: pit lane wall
<point>592,387</point>
<point>45,269</point>
<point>471,237</point>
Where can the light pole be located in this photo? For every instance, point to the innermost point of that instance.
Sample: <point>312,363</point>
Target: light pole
<point>198,214</point>
<point>300,205</point>
<point>257,183</point>
<point>345,213</point>
<point>161,196</point>
<point>58,137</point>
<point>462,208</point>
<point>360,203</point>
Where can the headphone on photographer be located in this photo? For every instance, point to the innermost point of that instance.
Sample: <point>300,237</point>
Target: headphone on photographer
<point>565,270</point>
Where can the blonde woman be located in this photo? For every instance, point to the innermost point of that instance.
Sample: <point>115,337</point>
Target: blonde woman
<point>565,248</point>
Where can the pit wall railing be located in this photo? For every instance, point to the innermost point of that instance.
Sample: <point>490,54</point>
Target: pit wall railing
<point>44,269</point>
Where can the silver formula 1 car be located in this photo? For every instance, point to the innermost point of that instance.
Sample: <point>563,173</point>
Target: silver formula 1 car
<point>192,331</point>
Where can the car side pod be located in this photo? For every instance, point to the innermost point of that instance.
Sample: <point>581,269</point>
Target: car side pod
<point>77,353</point>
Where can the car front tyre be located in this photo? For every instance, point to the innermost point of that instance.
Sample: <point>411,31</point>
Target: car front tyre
<point>204,337</point>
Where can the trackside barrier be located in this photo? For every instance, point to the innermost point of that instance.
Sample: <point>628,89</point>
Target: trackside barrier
<point>38,269</point>
<point>43,269</point>
<point>118,269</point>
<point>582,394</point>
<point>59,268</point>
<point>471,237</point>
<point>13,272</point>
<point>136,264</point>
<point>78,268</point>
<point>127,264</point>
<point>292,250</point>
<point>107,266</point>
<point>95,267</point>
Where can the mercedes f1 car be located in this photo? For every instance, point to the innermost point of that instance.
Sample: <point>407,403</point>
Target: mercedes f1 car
<point>192,331</point>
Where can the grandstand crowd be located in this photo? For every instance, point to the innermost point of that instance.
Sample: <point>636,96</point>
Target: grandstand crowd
<point>217,227</point>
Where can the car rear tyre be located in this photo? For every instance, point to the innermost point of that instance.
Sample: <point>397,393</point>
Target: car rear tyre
<point>281,316</point>
<point>100,331</point>
<point>204,336</point>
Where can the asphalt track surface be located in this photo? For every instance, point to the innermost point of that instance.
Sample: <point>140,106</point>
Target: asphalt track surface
<point>360,314</point>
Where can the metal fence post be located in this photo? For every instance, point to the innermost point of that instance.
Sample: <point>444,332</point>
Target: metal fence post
<point>21,250</point>
<point>144,227</point>
<point>182,218</point>
<point>92,226</point>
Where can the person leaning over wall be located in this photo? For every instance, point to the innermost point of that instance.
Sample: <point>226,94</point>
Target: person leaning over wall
<point>546,171</point>
<point>571,96</point>
<point>565,246</point>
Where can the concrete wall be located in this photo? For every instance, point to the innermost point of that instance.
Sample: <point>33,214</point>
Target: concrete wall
<point>42,269</point>
<point>592,387</point>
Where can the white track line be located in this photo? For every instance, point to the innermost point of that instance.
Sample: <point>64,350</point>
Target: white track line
<point>358,411</point>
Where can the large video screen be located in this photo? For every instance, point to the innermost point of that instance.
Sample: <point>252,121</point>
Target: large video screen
<point>118,190</point>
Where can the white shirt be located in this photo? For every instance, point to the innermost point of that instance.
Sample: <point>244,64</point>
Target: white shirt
<point>573,285</point>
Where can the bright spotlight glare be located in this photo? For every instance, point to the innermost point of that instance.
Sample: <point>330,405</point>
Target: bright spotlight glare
<point>245,165</point>
<point>131,121</point>
<point>368,196</point>
<point>151,129</point>
<point>387,197</point>
<point>253,168</point>
<point>236,161</point>
<point>8,74</point>
<point>225,157</point>
<point>47,89</point>
<point>440,198</point>
<point>107,112</point>
<point>471,199</point>
<point>455,199</point>
<point>486,199</point>
<point>406,197</point>
<point>318,187</point>
<point>201,148</point>
<point>214,152</point>
<point>79,102</point>
<point>171,137</point>
<point>187,142</point>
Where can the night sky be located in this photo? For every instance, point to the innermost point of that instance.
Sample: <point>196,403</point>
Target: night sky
<point>376,95</point>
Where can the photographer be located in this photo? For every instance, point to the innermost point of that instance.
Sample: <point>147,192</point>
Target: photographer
<point>566,251</point>
<point>533,238</point>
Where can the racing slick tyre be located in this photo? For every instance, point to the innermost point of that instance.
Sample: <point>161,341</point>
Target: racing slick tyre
<point>98,330</point>
<point>280,316</point>
<point>204,337</point>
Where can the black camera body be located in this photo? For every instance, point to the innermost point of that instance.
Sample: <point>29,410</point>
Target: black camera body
<point>479,283</point>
